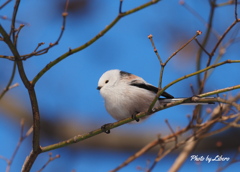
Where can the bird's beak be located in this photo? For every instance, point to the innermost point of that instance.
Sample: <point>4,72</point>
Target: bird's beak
<point>99,87</point>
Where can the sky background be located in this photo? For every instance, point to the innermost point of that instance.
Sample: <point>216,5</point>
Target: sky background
<point>68,99</point>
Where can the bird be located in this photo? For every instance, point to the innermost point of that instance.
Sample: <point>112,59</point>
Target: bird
<point>126,94</point>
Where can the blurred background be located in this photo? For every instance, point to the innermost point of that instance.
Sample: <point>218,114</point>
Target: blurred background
<point>68,99</point>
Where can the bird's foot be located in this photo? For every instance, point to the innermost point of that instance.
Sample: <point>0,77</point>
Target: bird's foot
<point>135,117</point>
<point>106,128</point>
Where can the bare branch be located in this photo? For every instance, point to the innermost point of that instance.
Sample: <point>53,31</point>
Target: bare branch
<point>49,160</point>
<point>8,87</point>
<point>169,58</point>
<point>236,10</point>
<point>4,4</point>
<point>88,43</point>
<point>21,139</point>
<point>198,16</point>
<point>51,45</point>
<point>205,40</point>
<point>120,7</point>
<point>12,32</point>
<point>189,75</point>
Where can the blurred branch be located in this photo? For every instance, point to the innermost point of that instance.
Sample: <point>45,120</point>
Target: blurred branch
<point>16,21</point>
<point>91,41</point>
<point>37,52</point>
<point>169,58</point>
<point>12,31</point>
<point>8,87</point>
<point>215,117</point>
<point>229,2</point>
<point>205,40</point>
<point>236,10</point>
<point>192,74</point>
<point>233,160</point>
<point>21,139</point>
<point>79,138</point>
<point>198,16</point>
<point>31,92</point>
<point>49,160</point>
<point>4,4</point>
<point>190,145</point>
<point>214,50</point>
<point>190,142</point>
<point>11,40</point>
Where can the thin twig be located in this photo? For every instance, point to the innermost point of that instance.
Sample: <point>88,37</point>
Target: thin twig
<point>190,145</point>
<point>150,37</point>
<point>169,58</point>
<point>4,4</point>
<point>202,47</point>
<point>8,87</point>
<point>190,75</point>
<point>201,132</point>
<point>17,32</point>
<point>16,21</point>
<point>21,139</point>
<point>51,45</point>
<point>236,10</point>
<point>79,138</point>
<point>169,126</point>
<point>199,17</point>
<point>212,54</point>
<point>202,129</point>
<point>91,41</point>
<point>184,45</point>
<point>32,94</point>
<point>205,40</point>
<point>222,37</point>
<point>12,32</point>
<point>120,7</point>
<point>49,160</point>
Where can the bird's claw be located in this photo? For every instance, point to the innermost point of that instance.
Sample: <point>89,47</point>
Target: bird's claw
<point>105,128</point>
<point>135,117</point>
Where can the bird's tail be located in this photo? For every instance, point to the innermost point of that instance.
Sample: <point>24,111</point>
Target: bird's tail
<point>187,102</point>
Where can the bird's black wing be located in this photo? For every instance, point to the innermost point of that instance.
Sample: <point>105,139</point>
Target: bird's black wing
<point>149,87</point>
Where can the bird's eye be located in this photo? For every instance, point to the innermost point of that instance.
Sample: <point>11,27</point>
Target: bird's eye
<point>106,81</point>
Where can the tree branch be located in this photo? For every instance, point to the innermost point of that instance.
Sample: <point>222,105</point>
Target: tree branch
<point>189,75</point>
<point>91,41</point>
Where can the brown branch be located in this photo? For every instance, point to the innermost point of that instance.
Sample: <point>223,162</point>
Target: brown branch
<point>49,160</point>
<point>12,32</point>
<point>4,4</point>
<point>236,10</point>
<point>202,131</point>
<point>34,104</point>
<point>172,131</point>
<point>212,54</point>
<point>199,17</point>
<point>17,32</point>
<point>95,38</point>
<point>51,45</point>
<point>222,37</point>
<point>170,57</point>
<point>202,47</point>
<point>205,40</point>
<point>21,139</point>
<point>8,87</point>
<point>198,32</point>
<point>190,75</point>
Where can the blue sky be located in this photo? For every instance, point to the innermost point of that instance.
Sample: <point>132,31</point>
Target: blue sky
<point>68,92</point>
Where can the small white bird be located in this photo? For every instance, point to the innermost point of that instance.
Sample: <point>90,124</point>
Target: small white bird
<point>126,94</point>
